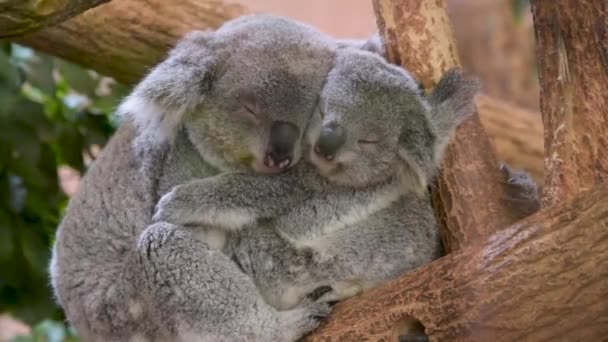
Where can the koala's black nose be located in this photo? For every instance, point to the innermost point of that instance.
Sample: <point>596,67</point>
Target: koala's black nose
<point>331,139</point>
<point>283,138</point>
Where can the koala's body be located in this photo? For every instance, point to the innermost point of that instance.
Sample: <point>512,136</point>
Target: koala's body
<point>235,99</point>
<point>362,214</point>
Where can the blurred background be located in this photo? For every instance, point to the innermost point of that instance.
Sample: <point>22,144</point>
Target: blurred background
<point>56,116</point>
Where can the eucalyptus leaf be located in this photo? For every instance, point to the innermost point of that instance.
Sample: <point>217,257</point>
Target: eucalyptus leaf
<point>39,73</point>
<point>77,77</point>
<point>34,250</point>
<point>6,237</point>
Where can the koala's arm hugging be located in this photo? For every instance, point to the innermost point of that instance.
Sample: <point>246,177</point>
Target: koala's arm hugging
<point>300,200</point>
<point>236,99</point>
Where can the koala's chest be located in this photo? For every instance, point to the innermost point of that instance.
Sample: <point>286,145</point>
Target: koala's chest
<point>317,228</point>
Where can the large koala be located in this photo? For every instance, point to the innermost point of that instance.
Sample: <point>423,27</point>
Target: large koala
<point>235,99</point>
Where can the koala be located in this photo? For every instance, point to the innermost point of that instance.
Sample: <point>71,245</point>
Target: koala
<point>358,213</point>
<point>238,99</point>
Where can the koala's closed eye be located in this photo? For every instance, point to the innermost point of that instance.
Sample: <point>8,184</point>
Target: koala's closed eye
<point>249,112</point>
<point>368,141</point>
<point>249,108</point>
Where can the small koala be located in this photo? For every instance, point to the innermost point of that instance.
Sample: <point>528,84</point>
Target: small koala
<point>358,214</point>
<point>237,99</point>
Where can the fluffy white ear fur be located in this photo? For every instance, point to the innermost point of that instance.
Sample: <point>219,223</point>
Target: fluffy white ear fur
<point>152,118</point>
<point>177,85</point>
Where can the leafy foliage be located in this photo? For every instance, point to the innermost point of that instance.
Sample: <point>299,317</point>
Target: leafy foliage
<point>49,331</point>
<point>51,114</point>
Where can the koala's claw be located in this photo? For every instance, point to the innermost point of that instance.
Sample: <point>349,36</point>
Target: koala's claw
<point>169,208</point>
<point>319,311</point>
<point>303,320</point>
<point>318,292</point>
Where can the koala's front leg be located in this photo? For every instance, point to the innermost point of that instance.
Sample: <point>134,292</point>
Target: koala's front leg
<point>202,295</point>
<point>229,201</point>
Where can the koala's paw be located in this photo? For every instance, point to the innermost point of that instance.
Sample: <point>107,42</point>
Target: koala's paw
<point>187,205</point>
<point>175,207</point>
<point>314,314</point>
<point>521,190</point>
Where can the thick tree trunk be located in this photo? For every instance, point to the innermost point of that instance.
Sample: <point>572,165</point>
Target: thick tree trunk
<point>468,196</point>
<point>124,38</point>
<point>517,134</point>
<point>18,17</point>
<point>572,50</point>
<point>542,279</point>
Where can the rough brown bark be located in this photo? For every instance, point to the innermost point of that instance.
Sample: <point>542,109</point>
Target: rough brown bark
<point>498,48</point>
<point>18,17</point>
<point>517,134</point>
<point>572,50</point>
<point>542,279</point>
<point>468,195</point>
<point>124,38</point>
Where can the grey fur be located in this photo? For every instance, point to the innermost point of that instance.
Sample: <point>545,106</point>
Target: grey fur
<point>522,194</point>
<point>374,44</point>
<point>357,220</point>
<point>121,278</point>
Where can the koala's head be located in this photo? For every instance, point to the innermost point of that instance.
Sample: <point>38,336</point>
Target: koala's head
<point>375,122</point>
<point>244,94</point>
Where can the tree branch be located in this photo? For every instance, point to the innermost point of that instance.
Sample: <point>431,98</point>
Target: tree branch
<point>18,17</point>
<point>572,52</point>
<point>124,38</point>
<point>542,279</point>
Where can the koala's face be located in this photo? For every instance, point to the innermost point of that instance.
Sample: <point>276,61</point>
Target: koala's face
<point>246,91</point>
<point>264,94</point>
<point>366,106</point>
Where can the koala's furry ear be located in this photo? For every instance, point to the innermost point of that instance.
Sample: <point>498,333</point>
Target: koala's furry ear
<point>373,44</point>
<point>452,100</point>
<point>173,88</point>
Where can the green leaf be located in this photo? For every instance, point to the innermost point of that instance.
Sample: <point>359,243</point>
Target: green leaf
<point>6,237</point>
<point>34,249</point>
<point>71,147</point>
<point>39,73</point>
<point>9,74</point>
<point>10,82</point>
<point>77,77</point>
<point>49,331</point>
<point>18,193</point>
